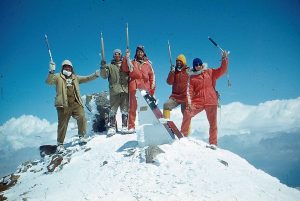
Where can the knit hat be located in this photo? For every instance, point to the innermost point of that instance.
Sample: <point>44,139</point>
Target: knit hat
<point>181,58</point>
<point>67,62</point>
<point>141,48</point>
<point>197,61</point>
<point>117,51</point>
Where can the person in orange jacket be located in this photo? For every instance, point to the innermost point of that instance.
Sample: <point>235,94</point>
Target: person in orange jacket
<point>141,76</point>
<point>178,78</point>
<point>202,95</point>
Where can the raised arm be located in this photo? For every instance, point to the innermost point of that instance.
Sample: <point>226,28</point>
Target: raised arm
<point>217,73</point>
<point>83,79</point>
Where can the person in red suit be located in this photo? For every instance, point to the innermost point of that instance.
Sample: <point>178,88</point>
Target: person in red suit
<point>202,95</point>
<point>141,76</point>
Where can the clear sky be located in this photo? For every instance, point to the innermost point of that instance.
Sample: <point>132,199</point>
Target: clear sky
<point>263,37</point>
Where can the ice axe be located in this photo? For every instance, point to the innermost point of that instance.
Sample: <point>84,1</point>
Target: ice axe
<point>170,54</point>
<point>48,46</point>
<point>127,37</point>
<point>215,44</point>
<point>102,47</point>
<point>130,66</point>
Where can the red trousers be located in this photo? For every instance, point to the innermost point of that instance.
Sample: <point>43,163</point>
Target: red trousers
<point>132,110</point>
<point>211,114</point>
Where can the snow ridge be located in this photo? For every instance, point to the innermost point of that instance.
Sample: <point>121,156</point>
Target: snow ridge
<point>115,169</point>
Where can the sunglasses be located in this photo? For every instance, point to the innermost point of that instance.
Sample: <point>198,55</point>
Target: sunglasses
<point>67,66</point>
<point>197,65</point>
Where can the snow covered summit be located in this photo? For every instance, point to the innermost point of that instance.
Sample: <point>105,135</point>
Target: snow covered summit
<point>115,169</point>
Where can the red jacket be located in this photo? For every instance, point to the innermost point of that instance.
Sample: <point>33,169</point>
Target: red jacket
<point>202,86</point>
<point>179,80</point>
<point>142,76</point>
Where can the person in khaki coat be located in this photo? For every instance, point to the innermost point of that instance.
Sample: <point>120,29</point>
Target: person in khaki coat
<point>68,101</point>
<point>118,90</point>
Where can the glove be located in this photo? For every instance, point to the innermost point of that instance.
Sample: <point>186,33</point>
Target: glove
<point>127,53</point>
<point>103,62</point>
<point>225,54</point>
<point>97,73</point>
<point>51,66</point>
<point>152,86</point>
<point>172,68</point>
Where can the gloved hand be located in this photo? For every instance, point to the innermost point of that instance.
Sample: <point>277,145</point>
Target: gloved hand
<point>152,86</point>
<point>51,66</point>
<point>103,62</point>
<point>225,54</point>
<point>97,73</point>
<point>127,53</point>
<point>172,68</point>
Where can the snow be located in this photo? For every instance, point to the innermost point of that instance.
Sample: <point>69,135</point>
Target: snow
<point>115,169</point>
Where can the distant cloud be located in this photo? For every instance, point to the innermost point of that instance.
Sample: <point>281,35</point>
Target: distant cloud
<point>233,119</point>
<point>267,135</point>
<point>21,137</point>
<point>26,131</point>
<point>237,118</point>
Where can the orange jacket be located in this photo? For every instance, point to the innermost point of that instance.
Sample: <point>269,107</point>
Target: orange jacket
<point>179,80</point>
<point>141,77</point>
<point>201,86</point>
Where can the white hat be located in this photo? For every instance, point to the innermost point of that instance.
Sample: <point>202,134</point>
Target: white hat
<point>117,51</point>
<point>67,62</point>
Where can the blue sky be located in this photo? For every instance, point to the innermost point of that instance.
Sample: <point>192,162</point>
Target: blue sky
<point>263,37</point>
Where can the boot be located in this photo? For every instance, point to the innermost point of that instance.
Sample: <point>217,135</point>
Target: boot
<point>124,123</point>
<point>112,126</point>
<point>166,114</point>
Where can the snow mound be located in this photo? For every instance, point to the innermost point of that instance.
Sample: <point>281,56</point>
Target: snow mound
<point>115,169</point>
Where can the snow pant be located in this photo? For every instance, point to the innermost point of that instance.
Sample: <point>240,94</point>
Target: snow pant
<point>132,109</point>
<point>64,114</point>
<point>116,101</point>
<point>172,103</point>
<point>211,114</point>
<point>119,100</point>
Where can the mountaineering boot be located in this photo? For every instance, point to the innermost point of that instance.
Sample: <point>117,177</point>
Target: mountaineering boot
<point>166,114</point>
<point>83,139</point>
<point>112,126</point>
<point>212,146</point>
<point>130,131</point>
<point>111,132</point>
<point>124,123</point>
<point>60,148</point>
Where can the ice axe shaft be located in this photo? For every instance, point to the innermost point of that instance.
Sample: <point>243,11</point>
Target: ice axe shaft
<point>102,47</point>
<point>48,46</point>
<point>215,44</point>
<point>170,54</point>
<point>127,37</point>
